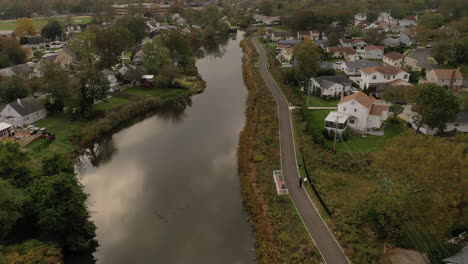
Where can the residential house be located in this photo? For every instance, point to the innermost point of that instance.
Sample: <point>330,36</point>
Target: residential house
<point>276,36</point>
<point>353,68</point>
<point>331,86</point>
<point>460,124</point>
<point>360,17</point>
<point>266,20</point>
<point>407,38</point>
<point>286,53</point>
<point>391,42</point>
<point>7,34</point>
<point>363,25</point>
<point>37,42</point>
<point>322,43</point>
<point>113,82</point>
<point>459,258</point>
<point>342,52</point>
<point>358,44</point>
<point>408,21</point>
<point>394,59</point>
<point>375,78</point>
<point>131,73</point>
<point>65,57</point>
<point>384,16</point>
<point>374,52</point>
<point>327,65</point>
<point>23,70</point>
<point>309,34</point>
<point>452,78</point>
<point>23,111</point>
<point>359,112</point>
<point>6,130</point>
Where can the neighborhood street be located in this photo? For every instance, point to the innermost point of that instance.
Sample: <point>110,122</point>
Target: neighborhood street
<point>326,243</point>
<point>422,56</point>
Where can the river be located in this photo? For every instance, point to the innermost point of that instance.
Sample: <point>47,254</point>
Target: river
<point>166,189</point>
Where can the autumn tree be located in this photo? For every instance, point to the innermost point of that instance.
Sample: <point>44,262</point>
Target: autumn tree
<point>34,251</point>
<point>11,53</point>
<point>25,27</point>
<point>435,106</point>
<point>306,61</point>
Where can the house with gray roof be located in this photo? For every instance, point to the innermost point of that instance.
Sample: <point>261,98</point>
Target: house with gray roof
<point>353,68</point>
<point>331,86</point>
<point>23,70</point>
<point>23,112</point>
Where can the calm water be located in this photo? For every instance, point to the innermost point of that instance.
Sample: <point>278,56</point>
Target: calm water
<point>166,189</point>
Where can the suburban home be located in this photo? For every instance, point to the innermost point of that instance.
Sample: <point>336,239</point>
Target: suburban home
<point>131,73</point>
<point>331,86</point>
<point>322,43</point>
<point>460,124</point>
<point>23,111</point>
<point>6,130</point>
<point>384,16</point>
<point>374,52</point>
<point>289,42</point>
<point>363,25</point>
<point>375,78</point>
<point>408,21</point>
<point>309,34</point>
<point>113,82</point>
<point>23,70</point>
<point>359,112</point>
<point>266,20</point>
<point>65,57</point>
<point>36,42</point>
<point>393,59</point>
<point>391,42</point>
<point>7,34</point>
<point>451,78</point>
<point>407,38</point>
<point>342,52</point>
<point>353,68</point>
<point>276,36</point>
<point>286,54</point>
<point>360,17</point>
<point>357,44</point>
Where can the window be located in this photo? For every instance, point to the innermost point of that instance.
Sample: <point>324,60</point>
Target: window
<point>355,110</point>
<point>374,77</point>
<point>388,77</point>
<point>351,121</point>
<point>406,76</point>
<point>344,109</point>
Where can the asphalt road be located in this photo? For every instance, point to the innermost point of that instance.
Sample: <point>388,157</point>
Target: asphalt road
<point>422,56</point>
<point>326,243</point>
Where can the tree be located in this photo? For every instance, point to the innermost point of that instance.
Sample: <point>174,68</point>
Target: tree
<point>424,179</point>
<point>180,50</point>
<point>374,36</point>
<point>92,88</point>
<point>396,109</point>
<point>371,16</point>
<point>55,81</point>
<point>435,106</point>
<point>52,30</point>
<point>85,48</point>
<point>25,27</point>
<point>11,201</point>
<point>167,76</point>
<point>332,39</point>
<point>266,7</point>
<point>34,251</point>
<point>136,25</point>
<point>431,20</point>
<point>14,88</point>
<point>110,43</point>
<point>307,61</point>
<point>58,202</point>
<point>156,56</point>
<point>13,165</point>
<point>11,53</point>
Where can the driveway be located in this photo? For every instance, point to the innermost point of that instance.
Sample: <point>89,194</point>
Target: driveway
<point>318,230</point>
<point>422,56</point>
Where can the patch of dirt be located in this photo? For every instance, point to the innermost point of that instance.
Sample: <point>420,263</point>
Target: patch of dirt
<point>403,256</point>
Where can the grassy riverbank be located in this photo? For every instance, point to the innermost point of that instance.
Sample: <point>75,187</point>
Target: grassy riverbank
<point>39,23</point>
<point>72,136</point>
<point>280,235</point>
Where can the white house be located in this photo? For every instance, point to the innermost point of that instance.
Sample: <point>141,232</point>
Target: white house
<point>6,130</point>
<point>353,68</point>
<point>460,124</point>
<point>378,76</point>
<point>23,111</point>
<point>286,53</point>
<point>309,34</point>
<point>445,77</point>
<point>393,59</point>
<point>331,86</point>
<point>113,82</point>
<point>374,52</point>
<point>357,44</point>
<point>360,17</point>
<point>359,112</point>
<point>281,35</point>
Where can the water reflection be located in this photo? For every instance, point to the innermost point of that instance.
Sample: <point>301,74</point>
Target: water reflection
<point>166,190</point>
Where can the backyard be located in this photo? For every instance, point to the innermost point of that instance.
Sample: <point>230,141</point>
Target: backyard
<point>39,23</point>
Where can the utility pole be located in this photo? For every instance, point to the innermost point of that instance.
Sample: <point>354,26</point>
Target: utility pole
<point>336,133</point>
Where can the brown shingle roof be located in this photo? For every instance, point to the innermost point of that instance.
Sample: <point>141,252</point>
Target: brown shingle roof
<point>378,109</point>
<point>394,55</point>
<point>372,47</point>
<point>383,69</point>
<point>360,97</point>
<point>446,74</point>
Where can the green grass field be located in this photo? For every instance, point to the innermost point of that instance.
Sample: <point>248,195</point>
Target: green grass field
<point>111,103</point>
<point>39,23</point>
<point>155,92</point>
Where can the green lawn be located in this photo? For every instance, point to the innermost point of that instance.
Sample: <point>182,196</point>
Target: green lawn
<point>111,103</point>
<point>318,101</point>
<point>358,143</point>
<point>316,118</point>
<point>39,23</point>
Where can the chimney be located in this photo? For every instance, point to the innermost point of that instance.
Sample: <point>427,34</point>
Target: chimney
<point>19,102</point>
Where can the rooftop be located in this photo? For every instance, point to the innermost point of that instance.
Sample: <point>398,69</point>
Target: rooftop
<point>383,70</point>
<point>361,98</point>
<point>446,74</point>
<point>394,55</point>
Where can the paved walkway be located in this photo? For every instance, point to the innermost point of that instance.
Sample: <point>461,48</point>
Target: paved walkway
<point>326,243</point>
<point>322,107</point>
